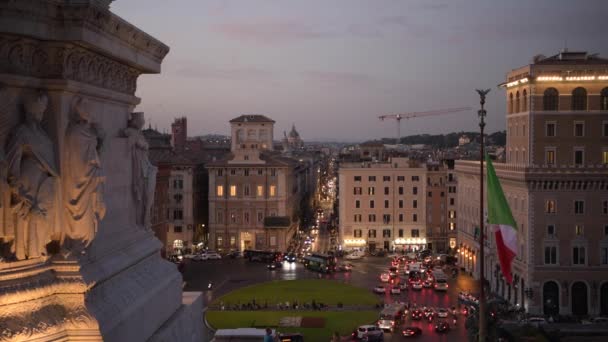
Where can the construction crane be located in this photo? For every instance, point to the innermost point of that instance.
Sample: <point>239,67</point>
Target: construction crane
<point>412,115</point>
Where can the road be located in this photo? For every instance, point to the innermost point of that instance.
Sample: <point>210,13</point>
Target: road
<point>230,274</point>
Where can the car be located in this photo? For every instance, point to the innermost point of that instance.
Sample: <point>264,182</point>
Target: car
<point>274,265</point>
<point>200,257</point>
<point>411,331</point>
<point>599,320</point>
<point>535,321</point>
<point>364,329</point>
<point>345,267</point>
<point>356,255</point>
<point>403,286</point>
<point>380,289</point>
<point>385,277</point>
<point>442,327</point>
<point>416,285</point>
<point>373,336</point>
<point>189,256</point>
<point>429,312</point>
<point>393,272</point>
<point>291,257</point>
<point>234,254</point>
<point>395,290</point>
<point>427,284</point>
<point>416,314</point>
<point>442,313</point>
<point>213,255</point>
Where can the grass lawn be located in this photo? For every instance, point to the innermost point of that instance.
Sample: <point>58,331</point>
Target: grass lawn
<point>341,321</point>
<point>328,292</point>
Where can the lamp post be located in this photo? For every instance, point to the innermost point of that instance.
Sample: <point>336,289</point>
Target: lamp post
<point>482,297</point>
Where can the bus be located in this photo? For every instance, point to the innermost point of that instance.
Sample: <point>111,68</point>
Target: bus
<point>262,256</point>
<point>390,316</point>
<point>321,263</point>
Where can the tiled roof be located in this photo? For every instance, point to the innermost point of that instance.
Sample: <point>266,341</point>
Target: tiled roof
<point>571,58</point>
<point>252,118</point>
<point>167,156</point>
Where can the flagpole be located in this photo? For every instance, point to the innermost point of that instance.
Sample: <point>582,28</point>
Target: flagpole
<point>482,298</point>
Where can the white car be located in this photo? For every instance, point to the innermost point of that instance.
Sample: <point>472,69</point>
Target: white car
<point>385,277</point>
<point>364,329</point>
<point>354,256</point>
<point>395,290</point>
<point>379,289</point>
<point>213,255</point>
<point>200,257</point>
<point>442,313</point>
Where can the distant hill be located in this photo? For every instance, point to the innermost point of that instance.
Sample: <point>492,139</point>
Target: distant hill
<point>448,140</point>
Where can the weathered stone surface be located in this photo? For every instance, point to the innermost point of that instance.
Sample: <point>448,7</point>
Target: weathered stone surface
<point>72,67</point>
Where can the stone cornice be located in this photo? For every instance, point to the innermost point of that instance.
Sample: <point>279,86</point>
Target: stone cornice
<point>86,22</point>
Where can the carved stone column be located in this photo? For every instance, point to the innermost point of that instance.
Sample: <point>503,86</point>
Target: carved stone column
<point>115,287</point>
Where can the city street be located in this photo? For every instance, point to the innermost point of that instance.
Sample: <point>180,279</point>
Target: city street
<point>230,274</point>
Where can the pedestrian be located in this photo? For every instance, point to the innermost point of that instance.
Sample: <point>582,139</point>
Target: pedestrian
<point>268,337</point>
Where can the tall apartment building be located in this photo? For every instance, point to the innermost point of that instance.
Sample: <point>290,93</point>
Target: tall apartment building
<point>452,209</point>
<point>383,205</point>
<point>436,207</point>
<point>556,182</point>
<point>254,193</point>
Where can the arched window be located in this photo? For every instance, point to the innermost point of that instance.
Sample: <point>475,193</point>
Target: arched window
<point>510,109</point>
<point>551,99</point>
<point>525,101</point>
<point>604,99</point>
<point>517,102</point>
<point>579,99</point>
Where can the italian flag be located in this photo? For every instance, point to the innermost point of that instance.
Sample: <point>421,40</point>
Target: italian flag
<point>501,220</point>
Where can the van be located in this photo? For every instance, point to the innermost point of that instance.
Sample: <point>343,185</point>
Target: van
<point>391,316</point>
<point>240,334</point>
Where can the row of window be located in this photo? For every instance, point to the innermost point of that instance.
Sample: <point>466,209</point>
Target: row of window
<point>234,217</point>
<point>386,233</point>
<point>246,172</point>
<point>579,255</point>
<point>578,155</point>
<point>372,204</point>
<point>386,218</point>
<point>372,190</point>
<point>579,207</point>
<point>578,230</point>
<point>551,100</point>
<point>387,178</point>
<point>272,190</point>
<point>578,128</point>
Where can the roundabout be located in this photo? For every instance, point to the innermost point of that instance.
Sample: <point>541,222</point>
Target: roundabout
<point>313,307</point>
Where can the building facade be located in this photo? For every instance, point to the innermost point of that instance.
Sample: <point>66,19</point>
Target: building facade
<point>556,181</point>
<point>383,205</point>
<point>436,208</point>
<point>251,184</point>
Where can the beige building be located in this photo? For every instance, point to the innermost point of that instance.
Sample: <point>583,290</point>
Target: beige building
<point>383,205</point>
<point>254,192</point>
<point>556,182</point>
<point>437,213</point>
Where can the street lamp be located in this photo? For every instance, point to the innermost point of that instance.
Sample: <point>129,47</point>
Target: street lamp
<point>482,298</point>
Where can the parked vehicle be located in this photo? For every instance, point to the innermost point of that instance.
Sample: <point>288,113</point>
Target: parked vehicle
<point>200,257</point>
<point>211,255</point>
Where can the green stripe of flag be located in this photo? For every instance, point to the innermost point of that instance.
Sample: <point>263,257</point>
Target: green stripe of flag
<point>498,208</point>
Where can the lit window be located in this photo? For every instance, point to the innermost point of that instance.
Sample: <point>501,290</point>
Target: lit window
<point>550,156</point>
<point>273,191</point>
<point>260,191</point>
<point>220,190</point>
<point>452,226</point>
<point>232,190</point>
<point>550,207</point>
<point>605,157</point>
<point>578,230</point>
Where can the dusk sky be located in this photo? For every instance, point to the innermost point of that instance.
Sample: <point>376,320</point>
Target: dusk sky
<point>332,66</point>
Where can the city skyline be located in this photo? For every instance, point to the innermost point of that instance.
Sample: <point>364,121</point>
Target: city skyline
<point>338,66</point>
